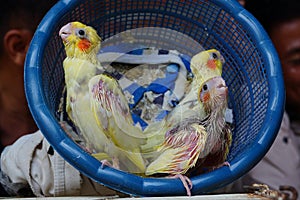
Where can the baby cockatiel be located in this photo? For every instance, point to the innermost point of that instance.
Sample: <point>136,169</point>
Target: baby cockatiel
<point>100,123</point>
<point>204,66</point>
<point>189,142</point>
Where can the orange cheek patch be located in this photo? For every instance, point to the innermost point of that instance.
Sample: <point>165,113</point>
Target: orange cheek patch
<point>211,64</point>
<point>206,97</point>
<point>84,44</point>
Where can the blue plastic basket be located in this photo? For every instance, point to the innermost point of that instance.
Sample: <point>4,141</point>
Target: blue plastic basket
<point>252,71</point>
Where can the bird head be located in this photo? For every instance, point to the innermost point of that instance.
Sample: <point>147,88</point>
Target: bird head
<point>213,94</point>
<point>207,64</point>
<point>80,41</point>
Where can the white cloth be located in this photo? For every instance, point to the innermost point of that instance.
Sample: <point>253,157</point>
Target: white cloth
<point>32,161</point>
<point>280,166</point>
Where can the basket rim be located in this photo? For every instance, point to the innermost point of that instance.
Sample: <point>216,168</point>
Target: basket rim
<point>130,183</point>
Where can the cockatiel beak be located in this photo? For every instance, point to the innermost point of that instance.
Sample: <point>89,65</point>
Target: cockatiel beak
<point>221,88</point>
<point>222,60</point>
<point>65,31</point>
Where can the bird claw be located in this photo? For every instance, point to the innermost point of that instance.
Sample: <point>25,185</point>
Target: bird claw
<point>225,164</point>
<point>105,163</point>
<point>115,164</point>
<point>187,183</point>
<point>221,165</point>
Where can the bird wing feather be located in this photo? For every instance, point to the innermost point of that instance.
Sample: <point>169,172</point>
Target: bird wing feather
<point>111,111</point>
<point>180,151</point>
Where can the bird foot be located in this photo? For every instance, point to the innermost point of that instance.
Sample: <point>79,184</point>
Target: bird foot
<point>105,163</point>
<point>187,183</point>
<point>224,164</point>
<point>221,165</point>
<point>115,164</point>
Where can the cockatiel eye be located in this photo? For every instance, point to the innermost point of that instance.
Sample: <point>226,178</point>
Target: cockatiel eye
<point>81,33</point>
<point>214,55</point>
<point>205,87</point>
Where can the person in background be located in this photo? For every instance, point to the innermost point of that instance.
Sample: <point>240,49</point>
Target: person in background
<point>281,165</point>
<point>18,21</point>
<point>29,165</point>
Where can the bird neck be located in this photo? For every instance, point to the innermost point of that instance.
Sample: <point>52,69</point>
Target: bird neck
<point>205,74</point>
<point>215,123</point>
<point>79,71</point>
<point>74,52</point>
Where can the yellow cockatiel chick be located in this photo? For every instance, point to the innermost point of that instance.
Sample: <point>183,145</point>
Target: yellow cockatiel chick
<point>204,66</point>
<point>196,143</point>
<point>96,104</point>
